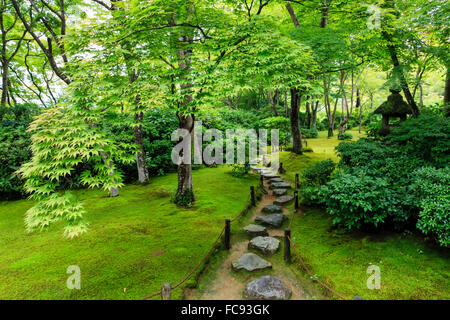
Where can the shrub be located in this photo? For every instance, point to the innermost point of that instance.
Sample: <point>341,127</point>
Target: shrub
<point>240,170</point>
<point>318,173</point>
<point>14,151</point>
<point>431,188</point>
<point>426,137</point>
<point>364,152</point>
<point>358,199</point>
<point>345,136</point>
<point>309,133</point>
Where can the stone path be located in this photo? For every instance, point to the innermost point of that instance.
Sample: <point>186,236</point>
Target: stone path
<point>263,244</point>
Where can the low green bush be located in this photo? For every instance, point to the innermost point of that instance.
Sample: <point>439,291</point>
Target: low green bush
<point>357,199</point>
<point>318,173</point>
<point>431,190</point>
<point>345,136</point>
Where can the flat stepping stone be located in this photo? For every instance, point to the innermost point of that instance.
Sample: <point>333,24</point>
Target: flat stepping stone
<point>272,208</point>
<point>254,230</point>
<point>276,180</point>
<point>267,245</point>
<point>280,185</point>
<point>274,220</point>
<point>283,200</point>
<point>270,175</point>
<point>279,192</point>
<point>267,288</point>
<point>250,262</point>
<point>257,168</point>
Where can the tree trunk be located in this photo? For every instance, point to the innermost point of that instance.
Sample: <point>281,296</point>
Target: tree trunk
<point>286,114</point>
<point>447,92</point>
<point>272,102</point>
<point>314,114</point>
<point>5,85</point>
<point>295,123</point>
<point>185,191</point>
<point>141,162</point>
<point>359,105</point>
<point>307,119</point>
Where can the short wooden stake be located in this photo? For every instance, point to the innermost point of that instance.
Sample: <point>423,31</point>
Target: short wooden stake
<point>280,169</point>
<point>261,179</point>
<point>296,181</point>
<point>287,245</point>
<point>165,291</point>
<point>296,200</point>
<point>252,194</point>
<point>227,234</point>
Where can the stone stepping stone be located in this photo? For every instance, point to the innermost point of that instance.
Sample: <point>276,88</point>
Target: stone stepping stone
<point>283,200</point>
<point>257,168</point>
<point>254,230</point>
<point>250,262</point>
<point>267,245</point>
<point>274,220</point>
<point>270,175</point>
<point>276,180</point>
<point>280,185</point>
<point>279,192</point>
<point>267,288</point>
<point>272,208</point>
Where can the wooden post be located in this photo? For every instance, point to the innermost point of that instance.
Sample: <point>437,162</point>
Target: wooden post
<point>287,245</point>
<point>261,179</point>
<point>281,170</point>
<point>296,200</point>
<point>165,291</point>
<point>296,181</point>
<point>252,195</point>
<point>227,234</point>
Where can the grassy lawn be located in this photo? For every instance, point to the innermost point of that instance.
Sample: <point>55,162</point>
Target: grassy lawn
<point>136,241</point>
<point>410,268</point>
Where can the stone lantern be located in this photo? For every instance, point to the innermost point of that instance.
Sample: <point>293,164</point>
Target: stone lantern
<point>393,107</point>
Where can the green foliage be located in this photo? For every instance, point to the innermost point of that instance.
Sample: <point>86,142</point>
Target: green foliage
<point>426,137</point>
<point>357,199</point>
<point>240,170</point>
<point>431,190</point>
<point>61,141</point>
<point>345,136</point>
<point>318,173</point>
<point>14,151</point>
<point>310,133</point>
<point>283,126</point>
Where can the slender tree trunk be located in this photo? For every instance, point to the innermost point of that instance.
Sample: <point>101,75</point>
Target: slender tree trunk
<point>272,102</point>
<point>314,114</point>
<point>359,105</point>
<point>447,93</point>
<point>307,119</point>
<point>185,190</point>
<point>295,122</point>
<point>285,104</point>
<point>141,162</point>
<point>5,85</point>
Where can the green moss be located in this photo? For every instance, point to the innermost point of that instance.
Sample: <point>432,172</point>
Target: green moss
<point>136,241</point>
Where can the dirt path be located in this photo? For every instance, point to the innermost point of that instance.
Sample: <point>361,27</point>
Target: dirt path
<point>227,284</point>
